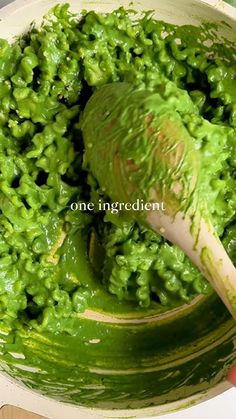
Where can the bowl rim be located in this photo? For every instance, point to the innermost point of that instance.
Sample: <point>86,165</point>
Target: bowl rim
<point>220,5</point>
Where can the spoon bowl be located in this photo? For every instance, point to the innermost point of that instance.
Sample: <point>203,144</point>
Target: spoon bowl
<point>137,147</point>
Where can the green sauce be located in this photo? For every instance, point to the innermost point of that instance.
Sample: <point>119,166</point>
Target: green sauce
<point>56,263</point>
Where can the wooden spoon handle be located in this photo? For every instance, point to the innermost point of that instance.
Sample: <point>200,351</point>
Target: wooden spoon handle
<point>204,248</point>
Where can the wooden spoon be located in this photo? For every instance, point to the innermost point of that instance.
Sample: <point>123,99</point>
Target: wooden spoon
<point>137,148</point>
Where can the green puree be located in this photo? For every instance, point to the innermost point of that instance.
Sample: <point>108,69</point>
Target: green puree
<point>46,79</point>
<point>55,262</point>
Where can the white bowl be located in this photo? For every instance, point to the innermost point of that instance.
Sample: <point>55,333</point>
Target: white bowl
<point>15,19</point>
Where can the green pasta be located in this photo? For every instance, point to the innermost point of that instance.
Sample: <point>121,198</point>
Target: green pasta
<point>47,77</point>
